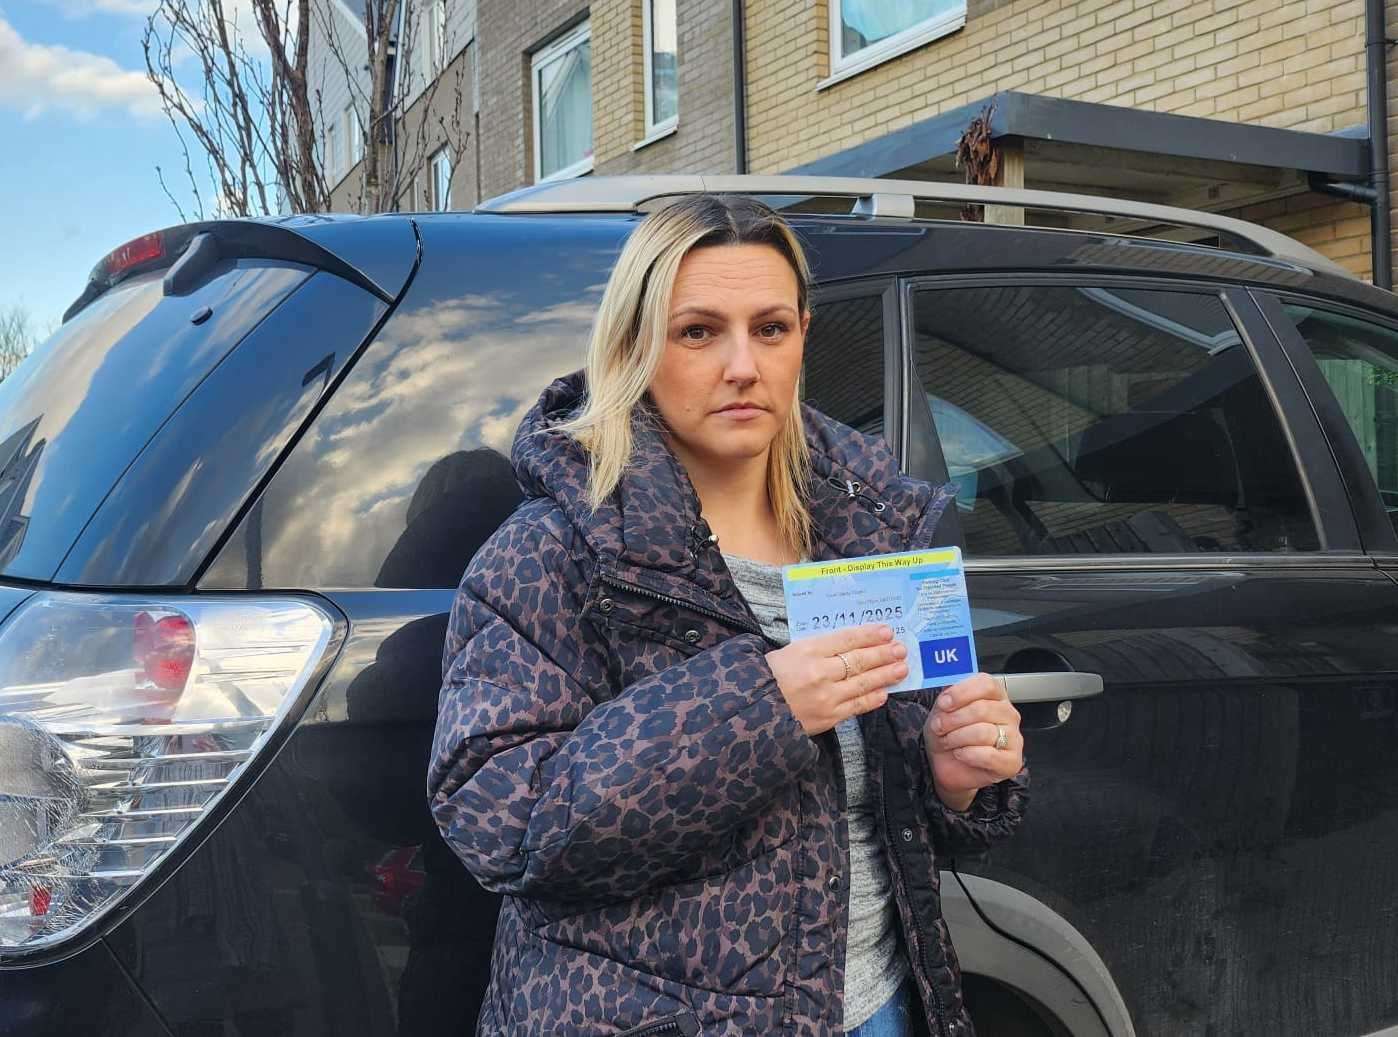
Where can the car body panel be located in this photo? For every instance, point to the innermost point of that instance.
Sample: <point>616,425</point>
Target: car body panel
<point>86,995</point>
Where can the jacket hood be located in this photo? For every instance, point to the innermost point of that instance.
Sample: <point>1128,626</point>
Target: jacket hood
<point>859,499</point>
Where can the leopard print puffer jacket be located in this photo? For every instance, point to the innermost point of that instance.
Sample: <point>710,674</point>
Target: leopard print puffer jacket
<point>613,754</point>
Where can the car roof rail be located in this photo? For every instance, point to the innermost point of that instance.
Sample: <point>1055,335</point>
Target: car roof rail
<point>888,198</point>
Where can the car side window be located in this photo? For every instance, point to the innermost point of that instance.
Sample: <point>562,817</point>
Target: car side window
<point>844,365</point>
<point>1359,360</point>
<point>1095,420</point>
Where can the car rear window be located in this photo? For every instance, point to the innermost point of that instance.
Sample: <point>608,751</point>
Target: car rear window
<point>75,414</point>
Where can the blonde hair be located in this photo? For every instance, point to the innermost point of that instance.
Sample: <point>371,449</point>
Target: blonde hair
<point>629,337</point>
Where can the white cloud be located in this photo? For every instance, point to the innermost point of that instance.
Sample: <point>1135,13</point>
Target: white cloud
<point>81,8</point>
<point>35,77</point>
<point>238,15</point>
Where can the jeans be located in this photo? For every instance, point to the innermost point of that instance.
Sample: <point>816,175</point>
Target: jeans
<point>893,1019</point>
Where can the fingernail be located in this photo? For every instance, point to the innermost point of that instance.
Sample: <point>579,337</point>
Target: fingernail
<point>900,650</point>
<point>944,702</point>
<point>902,670</point>
<point>885,631</point>
<point>937,725</point>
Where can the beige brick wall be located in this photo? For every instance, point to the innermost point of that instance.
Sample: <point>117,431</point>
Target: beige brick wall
<point>617,104</point>
<point>1298,65</point>
<point>703,139</point>
<point>508,33</point>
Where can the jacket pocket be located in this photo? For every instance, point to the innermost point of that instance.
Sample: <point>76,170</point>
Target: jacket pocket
<point>683,1024</point>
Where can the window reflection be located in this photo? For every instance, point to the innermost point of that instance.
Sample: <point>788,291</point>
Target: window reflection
<point>408,467</point>
<point>1104,421</point>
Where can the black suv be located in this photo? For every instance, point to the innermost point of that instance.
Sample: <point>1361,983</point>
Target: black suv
<point>239,485</point>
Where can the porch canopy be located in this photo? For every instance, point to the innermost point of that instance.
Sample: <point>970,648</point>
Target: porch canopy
<point>1062,145</point>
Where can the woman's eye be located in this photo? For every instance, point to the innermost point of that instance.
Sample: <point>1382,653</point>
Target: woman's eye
<point>694,333</point>
<point>772,330</point>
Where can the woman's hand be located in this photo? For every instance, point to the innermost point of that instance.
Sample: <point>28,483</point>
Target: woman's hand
<point>961,734</point>
<point>819,688</point>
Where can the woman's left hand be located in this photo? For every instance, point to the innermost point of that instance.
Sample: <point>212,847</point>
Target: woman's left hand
<point>961,734</point>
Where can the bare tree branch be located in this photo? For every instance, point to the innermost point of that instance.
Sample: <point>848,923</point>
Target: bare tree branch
<point>258,115</point>
<point>17,338</point>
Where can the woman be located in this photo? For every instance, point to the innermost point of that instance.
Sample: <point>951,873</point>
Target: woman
<point>698,827</point>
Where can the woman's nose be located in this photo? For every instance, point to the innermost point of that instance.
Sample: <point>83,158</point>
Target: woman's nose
<point>742,363</point>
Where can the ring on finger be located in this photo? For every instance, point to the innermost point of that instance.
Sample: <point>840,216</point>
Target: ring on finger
<point>844,661</point>
<point>1002,737</point>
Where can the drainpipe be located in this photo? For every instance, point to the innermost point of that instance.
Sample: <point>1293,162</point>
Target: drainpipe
<point>740,89</point>
<point>1361,193</point>
<point>1376,55</point>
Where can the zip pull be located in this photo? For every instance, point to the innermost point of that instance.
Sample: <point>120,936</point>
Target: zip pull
<point>855,489</point>
<point>701,538</point>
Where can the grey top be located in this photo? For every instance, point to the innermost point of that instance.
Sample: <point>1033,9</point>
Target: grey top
<point>873,966</point>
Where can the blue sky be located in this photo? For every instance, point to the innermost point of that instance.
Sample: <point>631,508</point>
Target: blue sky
<point>83,135</point>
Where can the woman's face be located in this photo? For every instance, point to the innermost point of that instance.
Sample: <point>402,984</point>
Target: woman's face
<point>732,354</point>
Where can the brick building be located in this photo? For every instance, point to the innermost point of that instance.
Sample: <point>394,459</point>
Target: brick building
<point>1257,108</point>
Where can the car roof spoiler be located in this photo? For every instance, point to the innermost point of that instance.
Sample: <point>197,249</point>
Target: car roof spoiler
<point>377,262</point>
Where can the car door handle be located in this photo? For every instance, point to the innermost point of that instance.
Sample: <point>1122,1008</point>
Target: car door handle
<point>1058,686</point>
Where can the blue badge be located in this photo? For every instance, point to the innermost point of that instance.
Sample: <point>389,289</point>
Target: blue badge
<point>920,594</point>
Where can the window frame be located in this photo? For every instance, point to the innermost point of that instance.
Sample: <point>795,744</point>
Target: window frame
<point>843,65</point>
<point>1374,527</point>
<point>1315,466</point>
<point>886,290</point>
<point>354,135</point>
<point>554,49</point>
<point>440,158</point>
<point>655,129</point>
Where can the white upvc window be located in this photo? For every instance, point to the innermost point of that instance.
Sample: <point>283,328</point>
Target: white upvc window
<point>437,35</point>
<point>332,152</point>
<point>865,33</point>
<point>354,134</point>
<point>441,180</point>
<point>661,65</point>
<point>561,89</point>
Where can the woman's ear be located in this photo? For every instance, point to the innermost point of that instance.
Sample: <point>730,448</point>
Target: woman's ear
<point>805,323</point>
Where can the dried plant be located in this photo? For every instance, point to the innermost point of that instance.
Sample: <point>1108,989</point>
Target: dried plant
<point>979,159</point>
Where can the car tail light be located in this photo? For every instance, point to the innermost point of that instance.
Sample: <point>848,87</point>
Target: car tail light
<point>145,249</point>
<point>122,723</point>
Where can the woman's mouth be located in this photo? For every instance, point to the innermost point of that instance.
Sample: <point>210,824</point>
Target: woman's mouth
<point>741,411</point>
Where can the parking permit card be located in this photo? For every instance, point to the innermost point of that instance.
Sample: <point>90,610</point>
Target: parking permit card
<point>920,594</point>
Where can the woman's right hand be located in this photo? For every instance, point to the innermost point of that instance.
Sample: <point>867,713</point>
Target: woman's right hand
<point>813,679</point>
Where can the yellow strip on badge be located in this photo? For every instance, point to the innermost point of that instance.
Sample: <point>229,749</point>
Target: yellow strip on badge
<point>874,563</point>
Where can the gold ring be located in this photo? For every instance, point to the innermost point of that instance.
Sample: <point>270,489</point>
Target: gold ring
<point>1002,737</point>
<point>845,663</point>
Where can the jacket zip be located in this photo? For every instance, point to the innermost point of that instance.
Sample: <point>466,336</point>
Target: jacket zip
<point>919,948</point>
<point>685,1024</point>
<point>732,621</point>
